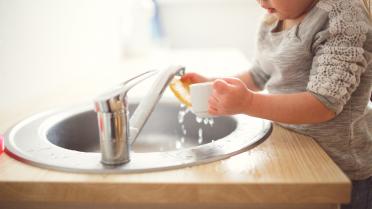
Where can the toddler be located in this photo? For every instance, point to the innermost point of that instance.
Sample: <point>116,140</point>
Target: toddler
<point>314,59</point>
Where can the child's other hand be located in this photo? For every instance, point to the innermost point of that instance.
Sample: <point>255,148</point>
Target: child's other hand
<point>191,78</point>
<point>230,96</point>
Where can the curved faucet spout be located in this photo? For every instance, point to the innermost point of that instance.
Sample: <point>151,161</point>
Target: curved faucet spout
<point>148,103</point>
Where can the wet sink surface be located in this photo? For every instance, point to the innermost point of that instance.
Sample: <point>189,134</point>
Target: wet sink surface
<point>167,129</point>
<point>68,140</point>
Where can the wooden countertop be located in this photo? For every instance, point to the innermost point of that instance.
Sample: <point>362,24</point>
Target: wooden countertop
<point>288,168</point>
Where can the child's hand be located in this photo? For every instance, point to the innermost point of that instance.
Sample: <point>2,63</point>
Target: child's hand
<point>230,96</point>
<point>191,78</point>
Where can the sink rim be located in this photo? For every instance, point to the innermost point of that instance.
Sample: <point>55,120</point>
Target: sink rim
<point>241,139</point>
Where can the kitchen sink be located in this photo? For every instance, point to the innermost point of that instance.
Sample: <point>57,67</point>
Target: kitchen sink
<point>68,139</point>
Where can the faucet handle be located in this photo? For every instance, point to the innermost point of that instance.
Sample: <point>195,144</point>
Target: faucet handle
<point>113,100</point>
<point>128,84</point>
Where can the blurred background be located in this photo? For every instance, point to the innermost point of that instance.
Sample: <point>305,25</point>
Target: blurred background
<point>46,46</point>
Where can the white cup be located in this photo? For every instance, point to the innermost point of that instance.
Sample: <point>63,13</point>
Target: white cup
<point>200,93</point>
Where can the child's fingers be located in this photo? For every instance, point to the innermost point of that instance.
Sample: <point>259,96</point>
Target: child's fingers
<point>221,86</point>
<point>187,78</point>
<point>213,105</point>
<point>233,81</point>
<point>193,78</point>
<point>212,110</point>
<point>213,101</point>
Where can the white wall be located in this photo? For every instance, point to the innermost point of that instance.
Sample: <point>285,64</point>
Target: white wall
<point>211,23</point>
<point>48,46</point>
<point>63,35</point>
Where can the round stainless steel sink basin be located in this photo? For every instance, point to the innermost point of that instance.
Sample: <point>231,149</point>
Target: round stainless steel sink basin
<point>162,132</point>
<point>68,140</point>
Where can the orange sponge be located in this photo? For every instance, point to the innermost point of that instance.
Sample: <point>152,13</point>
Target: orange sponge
<point>181,90</point>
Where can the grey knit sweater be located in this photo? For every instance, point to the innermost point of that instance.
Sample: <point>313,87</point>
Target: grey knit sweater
<point>328,54</point>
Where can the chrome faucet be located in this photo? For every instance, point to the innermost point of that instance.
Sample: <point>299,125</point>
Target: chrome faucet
<point>117,133</point>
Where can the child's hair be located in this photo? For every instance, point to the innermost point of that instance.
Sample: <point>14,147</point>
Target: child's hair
<point>270,19</point>
<point>367,4</point>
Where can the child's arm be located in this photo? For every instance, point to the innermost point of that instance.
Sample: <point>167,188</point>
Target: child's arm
<point>197,78</point>
<point>297,108</point>
<point>231,96</point>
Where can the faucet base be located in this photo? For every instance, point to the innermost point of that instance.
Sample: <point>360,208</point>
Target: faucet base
<point>113,132</point>
<point>110,163</point>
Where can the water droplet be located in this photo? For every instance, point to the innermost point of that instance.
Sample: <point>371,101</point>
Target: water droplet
<point>43,148</point>
<point>178,145</point>
<point>183,130</point>
<point>211,122</point>
<point>198,119</point>
<point>182,140</point>
<point>181,116</point>
<point>188,156</point>
<point>206,121</point>
<point>200,135</point>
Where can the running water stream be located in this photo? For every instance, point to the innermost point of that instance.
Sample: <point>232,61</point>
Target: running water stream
<point>181,116</point>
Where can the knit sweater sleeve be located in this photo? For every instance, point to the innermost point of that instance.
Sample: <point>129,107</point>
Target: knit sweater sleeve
<point>339,59</point>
